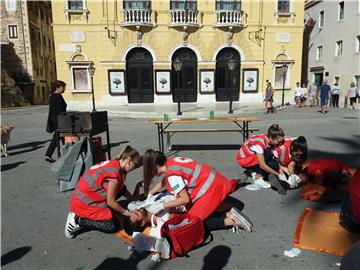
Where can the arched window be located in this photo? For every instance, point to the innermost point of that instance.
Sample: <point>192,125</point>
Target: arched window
<point>278,71</point>
<point>79,73</point>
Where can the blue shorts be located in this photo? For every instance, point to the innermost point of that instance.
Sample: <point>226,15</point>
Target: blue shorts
<point>324,100</point>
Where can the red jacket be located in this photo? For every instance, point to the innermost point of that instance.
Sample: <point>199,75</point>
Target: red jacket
<point>245,156</point>
<point>207,187</point>
<point>89,199</point>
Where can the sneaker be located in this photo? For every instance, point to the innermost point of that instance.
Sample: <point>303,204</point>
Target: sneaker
<point>262,183</point>
<point>253,187</point>
<point>243,178</point>
<point>244,220</point>
<point>71,227</point>
<point>275,182</point>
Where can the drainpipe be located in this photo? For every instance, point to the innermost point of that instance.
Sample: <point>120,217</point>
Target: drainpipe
<point>22,26</point>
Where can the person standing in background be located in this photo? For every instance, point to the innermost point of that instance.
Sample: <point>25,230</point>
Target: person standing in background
<point>313,92</point>
<point>303,95</point>
<point>57,105</point>
<point>353,94</point>
<point>298,93</point>
<point>269,98</point>
<point>324,94</point>
<point>335,94</point>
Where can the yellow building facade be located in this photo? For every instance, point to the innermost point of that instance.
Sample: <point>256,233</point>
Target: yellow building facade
<point>167,51</point>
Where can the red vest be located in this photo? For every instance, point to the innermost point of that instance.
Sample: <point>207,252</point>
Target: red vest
<point>283,152</point>
<point>197,177</point>
<point>89,199</point>
<point>354,190</point>
<point>245,156</point>
<point>207,187</point>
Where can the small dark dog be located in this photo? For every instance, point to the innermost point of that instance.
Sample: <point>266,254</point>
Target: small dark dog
<point>5,138</point>
<point>271,109</point>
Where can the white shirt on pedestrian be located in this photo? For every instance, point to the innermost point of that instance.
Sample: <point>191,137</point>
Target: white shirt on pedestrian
<point>298,91</point>
<point>352,92</point>
<point>335,90</point>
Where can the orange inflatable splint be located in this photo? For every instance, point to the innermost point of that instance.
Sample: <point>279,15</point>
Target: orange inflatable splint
<point>313,192</point>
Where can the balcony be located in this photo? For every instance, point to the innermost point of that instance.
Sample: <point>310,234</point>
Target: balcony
<point>184,17</point>
<point>231,18</point>
<point>137,17</point>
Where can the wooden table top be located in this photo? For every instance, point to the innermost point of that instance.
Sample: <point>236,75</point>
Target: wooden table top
<point>204,120</point>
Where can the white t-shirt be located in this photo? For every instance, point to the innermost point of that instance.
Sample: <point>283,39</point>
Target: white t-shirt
<point>257,149</point>
<point>335,90</point>
<point>352,92</point>
<point>177,183</point>
<point>298,92</point>
<point>303,92</point>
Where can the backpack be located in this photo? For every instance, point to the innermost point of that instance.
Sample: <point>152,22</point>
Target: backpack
<point>183,232</point>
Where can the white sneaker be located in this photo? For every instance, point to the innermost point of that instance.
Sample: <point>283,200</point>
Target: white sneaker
<point>262,183</point>
<point>71,227</point>
<point>253,187</point>
<point>244,220</point>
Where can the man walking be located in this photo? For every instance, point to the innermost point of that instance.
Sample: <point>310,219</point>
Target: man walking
<point>324,94</point>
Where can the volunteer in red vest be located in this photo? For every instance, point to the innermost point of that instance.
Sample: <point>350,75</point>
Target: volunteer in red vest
<point>197,186</point>
<point>350,212</point>
<point>256,156</point>
<point>93,203</point>
<point>292,154</point>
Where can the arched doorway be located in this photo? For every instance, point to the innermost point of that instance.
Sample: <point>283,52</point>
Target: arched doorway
<point>139,76</point>
<point>227,82</point>
<point>184,82</point>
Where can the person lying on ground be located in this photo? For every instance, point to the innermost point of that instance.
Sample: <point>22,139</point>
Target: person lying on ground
<point>324,178</point>
<point>93,203</point>
<point>141,216</point>
<point>197,186</point>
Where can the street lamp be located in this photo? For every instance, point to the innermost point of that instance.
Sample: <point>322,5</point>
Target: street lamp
<point>177,67</point>
<point>284,69</point>
<point>231,66</point>
<point>91,70</point>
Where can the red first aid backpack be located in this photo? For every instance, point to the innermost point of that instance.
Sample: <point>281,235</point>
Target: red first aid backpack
<point>183,232</point>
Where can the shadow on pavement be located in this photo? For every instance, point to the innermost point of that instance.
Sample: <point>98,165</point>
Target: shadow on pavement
<point>32,146</point>
<point>10,166</point>
<point>14,255</point>
<point>352,156</point>
<point>217,258</point>
<point>118,263</point>
<point>118,143</point>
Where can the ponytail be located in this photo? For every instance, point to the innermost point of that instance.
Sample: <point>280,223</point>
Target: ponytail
<point>275,131</point>
<point>150,160</point>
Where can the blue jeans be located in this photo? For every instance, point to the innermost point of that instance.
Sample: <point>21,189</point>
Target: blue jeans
<point>324,100</point>
<point>270,161</point>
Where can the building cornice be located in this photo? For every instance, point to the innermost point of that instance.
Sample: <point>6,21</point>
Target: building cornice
<point>311,3</point>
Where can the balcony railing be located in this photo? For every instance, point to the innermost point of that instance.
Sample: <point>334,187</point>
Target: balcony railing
<point>230,18</point>
<point>184,17</point>
<point>137,17</point>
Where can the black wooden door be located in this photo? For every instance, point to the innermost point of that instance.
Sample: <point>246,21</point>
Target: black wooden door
<point>227,83</point>
<point>184,82</point>
<point>139,75</point>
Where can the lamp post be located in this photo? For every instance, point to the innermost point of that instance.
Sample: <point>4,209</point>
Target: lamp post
<point>231,66</point>
<point>284,69</point>
<point>91,70</point>
<point>177,67</point>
